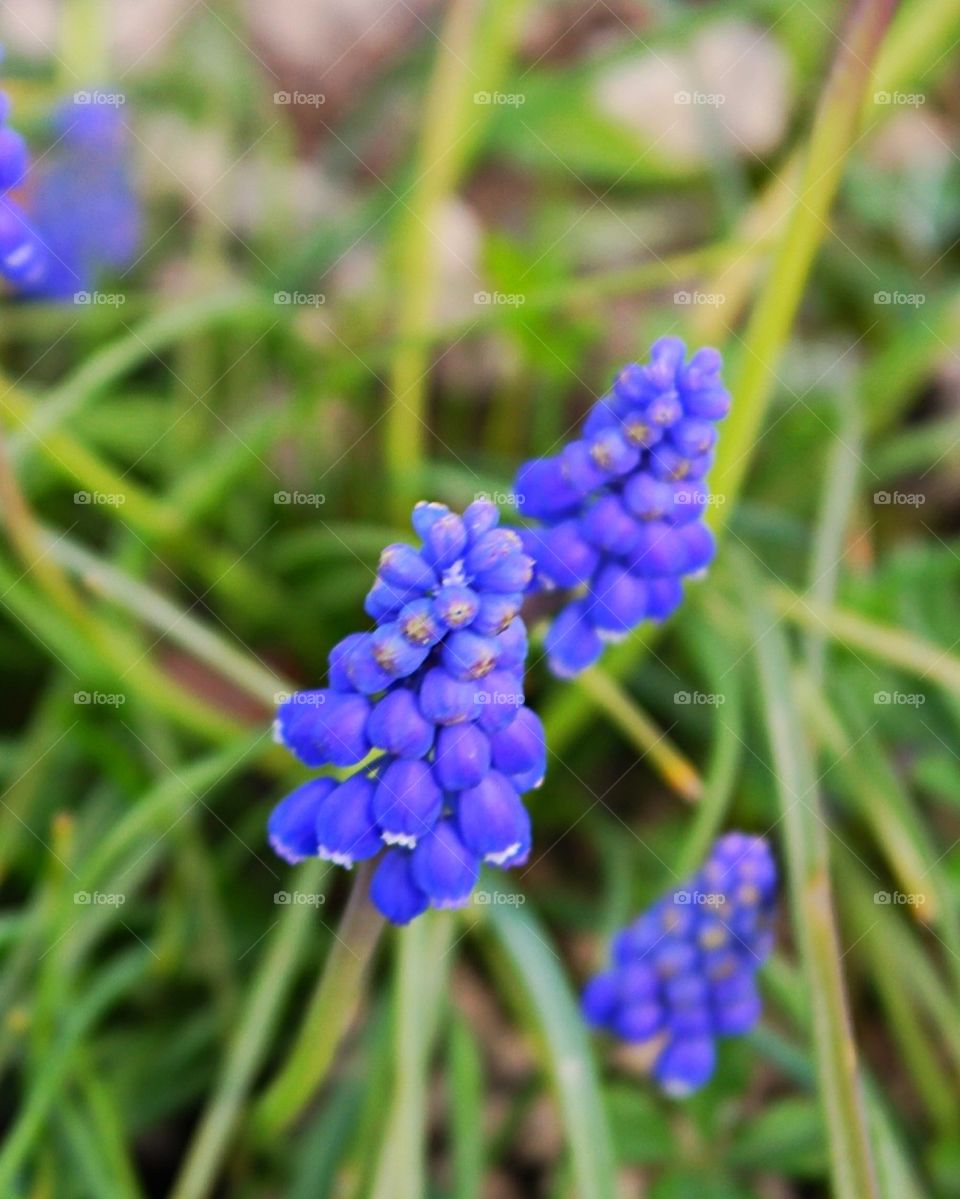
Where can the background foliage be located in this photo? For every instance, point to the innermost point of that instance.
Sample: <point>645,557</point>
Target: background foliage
<point>391,251</point>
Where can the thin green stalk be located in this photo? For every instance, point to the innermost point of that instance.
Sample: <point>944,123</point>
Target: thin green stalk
<point>250,1042</point>
<point>836,505</point>
<point>522,952</point>
<point>29,542</point>
<point>466,1100</point>
<point>897,1174</point>
<point>719,781</point>
<point>155,521</point>
<point>895,646</point>
<point>108,1125</point>
<point>908,57</point>
<point>852,1167</point>
<point>142,343</point>
<point>931,1075</point>
<point>901,943</point>
<point>422,962</point>
<point>332,1007</point>
<point>437,169</point>
<point>119,653</point>
<point>114,981</point>
<point>155,610</point>
<point>159,808</point>
<point>775,308</point>
<point>474,45</point>
<point>654,745</point>
<point>832,137</point>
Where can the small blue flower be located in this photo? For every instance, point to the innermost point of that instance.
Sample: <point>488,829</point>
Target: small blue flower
<point>346,829</point>
<point>292,828</point>
<point>407,802</point>
<point>80,215</point>
<point>397,726</point>
<point>444,868</point>
<point>492,819</point>
<point>462,757</point>
<point>393,889</point>
<point>684,972</point>
<point>324,727</point>
<point>621,507</point>
<point>430,707</point>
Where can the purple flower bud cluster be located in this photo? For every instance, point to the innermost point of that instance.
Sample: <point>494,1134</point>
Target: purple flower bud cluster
<point>620,509</point>
<point>435,692</point>
<point>23,257</point>
<point>684,973</point>
<point>81,214</point>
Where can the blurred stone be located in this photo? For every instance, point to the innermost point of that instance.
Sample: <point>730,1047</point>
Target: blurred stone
<point>727,89</point>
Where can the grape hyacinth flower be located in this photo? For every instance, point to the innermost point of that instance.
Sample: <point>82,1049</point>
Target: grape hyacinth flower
<point>435,691</point>
<point>683,974</point>
<point>620,509</point>
<point>79,214</point>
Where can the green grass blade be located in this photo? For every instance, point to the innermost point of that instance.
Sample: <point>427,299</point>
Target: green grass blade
<point>250,1042</point>
<point>852,1167</point>
<point>565,1044</point>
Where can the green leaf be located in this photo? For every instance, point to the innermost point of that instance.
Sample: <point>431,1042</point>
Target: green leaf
<point>563,1037</point>
<point>789,1132</point>
<point>640,1129</point>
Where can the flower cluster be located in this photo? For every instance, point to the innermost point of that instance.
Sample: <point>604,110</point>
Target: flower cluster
<point>683,974</point>
<point>23,257</point>
<point>80,215</point>
<point>435,692</point>
<point>621,507</point>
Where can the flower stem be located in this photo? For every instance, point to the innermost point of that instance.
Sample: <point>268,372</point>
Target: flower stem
<point>831,140</point>
<point>437,168</point>
<point>676,770</point>
<point>272,982</point>
<point>422,959</point>
<point>808,869</point>
<point>333,1005</point>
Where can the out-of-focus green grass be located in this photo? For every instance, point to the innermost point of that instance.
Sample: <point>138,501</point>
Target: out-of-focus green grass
<point>142,1026</point>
